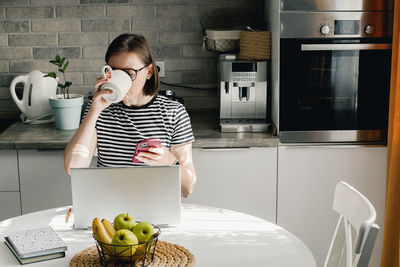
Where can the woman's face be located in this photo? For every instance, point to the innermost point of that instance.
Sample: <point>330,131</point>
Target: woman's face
<point>129,60</point>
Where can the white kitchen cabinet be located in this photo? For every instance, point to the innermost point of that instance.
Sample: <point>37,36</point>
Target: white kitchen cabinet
<point>10,205</point>
<point>241,179</point>
<point>44,183</point>
<point>307,176</point>
<point>9,170</point>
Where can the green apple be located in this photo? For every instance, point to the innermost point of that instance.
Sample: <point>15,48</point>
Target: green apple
<point>144,231</point>
<point>124,221</point>
<point>124,239</point>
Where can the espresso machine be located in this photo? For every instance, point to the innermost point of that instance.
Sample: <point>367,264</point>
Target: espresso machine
<point>243,95</point>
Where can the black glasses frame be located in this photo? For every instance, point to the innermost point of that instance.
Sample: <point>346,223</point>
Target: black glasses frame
<point>133,76</point>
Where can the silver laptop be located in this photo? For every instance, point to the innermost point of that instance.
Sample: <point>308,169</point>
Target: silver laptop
<point>148,193</point>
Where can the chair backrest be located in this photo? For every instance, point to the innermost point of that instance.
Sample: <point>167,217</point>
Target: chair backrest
<point>355,212</point>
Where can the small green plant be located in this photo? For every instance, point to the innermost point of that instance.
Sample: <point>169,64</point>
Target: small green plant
<point>62,65</point>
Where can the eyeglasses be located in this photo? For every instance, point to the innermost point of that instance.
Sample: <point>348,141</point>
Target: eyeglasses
<point>131,72</point>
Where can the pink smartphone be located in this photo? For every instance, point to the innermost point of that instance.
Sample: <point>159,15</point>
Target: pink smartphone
<point>143,146</point>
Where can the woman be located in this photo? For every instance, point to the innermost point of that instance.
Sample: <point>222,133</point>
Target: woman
<point>115,129</point>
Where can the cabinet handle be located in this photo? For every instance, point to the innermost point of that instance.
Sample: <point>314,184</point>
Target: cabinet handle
<point>225,149</point>
<point>354,47</point>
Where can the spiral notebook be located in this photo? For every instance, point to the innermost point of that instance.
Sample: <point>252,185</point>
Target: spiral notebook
<point>33,244</point>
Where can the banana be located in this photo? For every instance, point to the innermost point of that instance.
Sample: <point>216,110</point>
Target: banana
<point>100,232</point>
<point>101,235</point>
<point>109,227</point>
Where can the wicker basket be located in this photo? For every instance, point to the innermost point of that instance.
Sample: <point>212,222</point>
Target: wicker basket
<point>222,40</point>
<point>255,45</point>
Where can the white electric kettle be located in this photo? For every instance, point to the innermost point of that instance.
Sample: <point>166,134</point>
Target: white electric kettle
<point>34,104</point>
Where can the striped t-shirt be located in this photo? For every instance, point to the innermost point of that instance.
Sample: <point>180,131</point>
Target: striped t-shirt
<point>120,127</point>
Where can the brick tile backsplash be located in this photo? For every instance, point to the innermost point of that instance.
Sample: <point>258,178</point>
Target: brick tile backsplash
<point>163,51</point>
<point>132,11</point>
<point>79,65</point>
<point>30,12</point>
<point>93,1</point>
<point>185,64</point>
<point>15,53</point>
<point>34,31</point>
<point>153,2</point>
<point>14,3</point>
<point>106,25</point>
<point>4,67</point>
<point>197,51</point>
<point>48,52</point>
<point>80,11</point>
<point>5,80</point>
<point>94,51</point>
<point>26,66</point>
<point>9,26</point>
<point>181,11</point>
<point>181,38</point>
<point>59,25</point>
<point>156,24</point>
<point>29,39</point>
<point>3,39</point>
<point>90,77</point>
<point>83,38</point>
<point>52,2</point>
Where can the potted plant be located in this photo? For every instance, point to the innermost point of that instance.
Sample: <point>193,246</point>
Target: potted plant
<point>66,107</point>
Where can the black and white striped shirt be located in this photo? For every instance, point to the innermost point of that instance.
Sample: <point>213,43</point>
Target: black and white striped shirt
<point>120,127</point>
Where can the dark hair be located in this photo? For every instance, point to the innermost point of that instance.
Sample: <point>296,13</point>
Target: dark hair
<point>138,44</point>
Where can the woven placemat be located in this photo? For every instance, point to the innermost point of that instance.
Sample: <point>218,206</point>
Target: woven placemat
<point>167,254</point>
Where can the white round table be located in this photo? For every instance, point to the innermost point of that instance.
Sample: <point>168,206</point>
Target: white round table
<point>216,237</point>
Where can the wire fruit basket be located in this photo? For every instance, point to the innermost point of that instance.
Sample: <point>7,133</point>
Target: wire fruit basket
<point>128,255</point>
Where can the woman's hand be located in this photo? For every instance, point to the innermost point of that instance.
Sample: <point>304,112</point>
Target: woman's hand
<point>157,156</point>
<point>98,102</point>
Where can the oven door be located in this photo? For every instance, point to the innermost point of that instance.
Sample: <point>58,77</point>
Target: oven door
<point>334,90</point>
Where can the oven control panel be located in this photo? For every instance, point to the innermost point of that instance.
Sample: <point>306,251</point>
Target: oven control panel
<point>336,24</point>
<point>347,27</point>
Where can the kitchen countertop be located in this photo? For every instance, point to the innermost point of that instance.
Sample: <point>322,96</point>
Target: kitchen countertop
<point>205,129</point>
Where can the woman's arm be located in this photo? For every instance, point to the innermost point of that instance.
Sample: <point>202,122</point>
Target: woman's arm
<point>163,156</point>
<point>79,151</point>
<point>183,154</point>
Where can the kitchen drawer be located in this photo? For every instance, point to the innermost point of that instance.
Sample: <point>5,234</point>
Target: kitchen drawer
<point>9,170</point>
<point>10,205</point>
<point>241,179</point>
<point>44,183</point>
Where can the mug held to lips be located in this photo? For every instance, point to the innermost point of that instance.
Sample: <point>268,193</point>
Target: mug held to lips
<point>119,84</point>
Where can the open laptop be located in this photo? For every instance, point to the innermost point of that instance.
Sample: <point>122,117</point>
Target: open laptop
<point>148,193</point>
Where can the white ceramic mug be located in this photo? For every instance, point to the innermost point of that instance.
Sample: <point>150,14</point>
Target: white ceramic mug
<point>120,83</point>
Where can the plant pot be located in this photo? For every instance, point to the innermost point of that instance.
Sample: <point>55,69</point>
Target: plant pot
<point>67,112</point>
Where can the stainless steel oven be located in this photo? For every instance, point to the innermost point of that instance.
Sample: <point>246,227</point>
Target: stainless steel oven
<point>334,74</point>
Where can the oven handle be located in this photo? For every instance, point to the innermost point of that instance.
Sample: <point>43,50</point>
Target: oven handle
<point>333,47</point>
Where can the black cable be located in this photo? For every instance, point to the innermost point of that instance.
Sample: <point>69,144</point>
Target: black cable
<point>186,86</point>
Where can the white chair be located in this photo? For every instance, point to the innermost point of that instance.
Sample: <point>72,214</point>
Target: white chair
<point>355,212</point>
